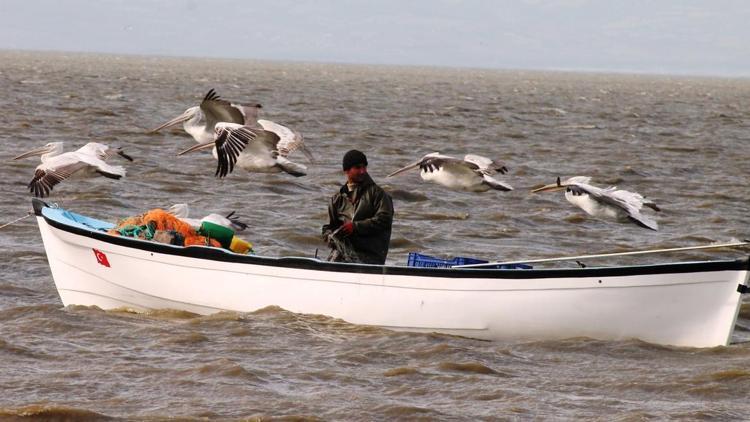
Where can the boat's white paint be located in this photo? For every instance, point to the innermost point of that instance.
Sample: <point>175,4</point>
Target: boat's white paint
<point>696,309</point>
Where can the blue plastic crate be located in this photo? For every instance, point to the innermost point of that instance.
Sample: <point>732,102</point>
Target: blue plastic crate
<point>426,261</point>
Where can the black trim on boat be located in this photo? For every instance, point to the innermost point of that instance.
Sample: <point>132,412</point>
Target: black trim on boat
<point>215,254</point>
<point>37,205</point>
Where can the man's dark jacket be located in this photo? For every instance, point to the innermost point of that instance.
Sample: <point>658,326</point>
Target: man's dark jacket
<point>372,215</point>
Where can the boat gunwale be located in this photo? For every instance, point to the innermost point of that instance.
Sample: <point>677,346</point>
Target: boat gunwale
<point>303,263</point>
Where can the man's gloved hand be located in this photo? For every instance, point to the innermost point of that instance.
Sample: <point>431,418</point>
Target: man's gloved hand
<point>347,228</point>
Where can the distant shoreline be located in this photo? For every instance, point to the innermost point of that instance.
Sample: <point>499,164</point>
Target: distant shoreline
<point>595,72</point>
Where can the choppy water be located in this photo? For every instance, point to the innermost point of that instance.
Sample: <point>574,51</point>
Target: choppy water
<point>683,142</point>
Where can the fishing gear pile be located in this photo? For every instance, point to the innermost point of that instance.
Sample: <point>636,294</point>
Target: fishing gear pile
<point>162,226</point>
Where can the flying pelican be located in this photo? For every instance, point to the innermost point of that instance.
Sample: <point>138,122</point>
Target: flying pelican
<point>87,161</point>
<point>609,203</point>
<point>473,173</point>
<point>182,211</point>
<point>254,150</point>
<point>200,121</point>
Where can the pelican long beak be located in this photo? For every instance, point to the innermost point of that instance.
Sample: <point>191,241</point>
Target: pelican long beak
<point>177,120</point>
<point>407,168</point>
<point>198,147</point>
<point>35,151</point>
<point>550,188</point>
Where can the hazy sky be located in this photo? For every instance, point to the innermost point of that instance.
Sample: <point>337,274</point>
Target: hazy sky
<point>705,37</point>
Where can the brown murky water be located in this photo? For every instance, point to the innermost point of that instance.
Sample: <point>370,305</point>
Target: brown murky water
<point>683,142</point>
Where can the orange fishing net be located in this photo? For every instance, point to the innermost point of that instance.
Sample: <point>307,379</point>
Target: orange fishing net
<point>166,221</point>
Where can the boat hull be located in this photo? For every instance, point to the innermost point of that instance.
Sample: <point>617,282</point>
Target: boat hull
<point>693,304</point>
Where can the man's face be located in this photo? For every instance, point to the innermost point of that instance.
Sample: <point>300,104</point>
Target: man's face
<point>356,174</point>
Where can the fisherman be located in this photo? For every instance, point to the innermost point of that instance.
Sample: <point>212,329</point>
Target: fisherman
<point>360,216</point>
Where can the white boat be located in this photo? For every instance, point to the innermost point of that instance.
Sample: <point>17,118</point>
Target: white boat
<point>691,304</point>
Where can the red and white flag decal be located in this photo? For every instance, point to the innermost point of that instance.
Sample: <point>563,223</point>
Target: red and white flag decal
<point>100,257</point>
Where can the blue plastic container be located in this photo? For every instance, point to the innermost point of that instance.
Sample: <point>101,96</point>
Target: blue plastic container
<point>426,261</point>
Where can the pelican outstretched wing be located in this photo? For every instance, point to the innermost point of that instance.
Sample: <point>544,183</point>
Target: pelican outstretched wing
<point>496,184</point>
<point>431,162</point>
<point>112,151</point>
<point>437,162</point>
<point>634,202</point>
<point>231,140</point>
<point>289,140</point>
<point>46,178</point>
<point>643,221</point>
<point>218,110</point>
<point>250,112</point>
<point>229,144</point>
<point>91,159</point>
<point>237,225</point>
<point>485,165</point>
<point>630,202</point>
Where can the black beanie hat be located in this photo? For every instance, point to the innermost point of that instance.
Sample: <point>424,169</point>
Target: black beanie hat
<point>354,158</point>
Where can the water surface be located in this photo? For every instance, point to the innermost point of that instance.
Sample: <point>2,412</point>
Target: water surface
<point>682,142</point>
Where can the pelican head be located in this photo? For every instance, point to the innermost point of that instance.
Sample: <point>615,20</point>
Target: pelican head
<point>52,148</point>
<point>189,115</point>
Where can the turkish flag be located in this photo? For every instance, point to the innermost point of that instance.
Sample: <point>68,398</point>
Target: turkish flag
<point>100,257</point>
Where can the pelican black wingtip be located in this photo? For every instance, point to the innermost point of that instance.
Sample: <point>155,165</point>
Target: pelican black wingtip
<point>37,205</point>
<point>212,95</point>
<point>125,156</point>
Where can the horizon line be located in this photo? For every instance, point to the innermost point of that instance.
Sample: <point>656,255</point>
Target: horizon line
<point>554,69</point>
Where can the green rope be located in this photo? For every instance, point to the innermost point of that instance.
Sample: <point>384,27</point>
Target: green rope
<point>131,230</point>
